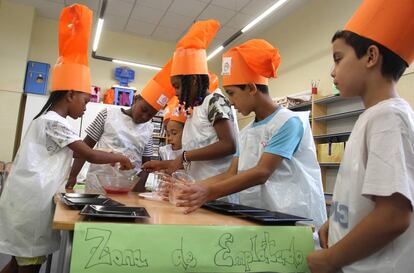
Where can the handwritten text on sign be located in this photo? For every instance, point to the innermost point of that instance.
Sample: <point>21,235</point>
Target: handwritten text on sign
<point>179,248</point>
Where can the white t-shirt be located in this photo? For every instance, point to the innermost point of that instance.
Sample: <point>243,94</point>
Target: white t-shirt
<point>378,161</point>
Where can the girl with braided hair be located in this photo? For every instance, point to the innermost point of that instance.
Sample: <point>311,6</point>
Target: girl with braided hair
<point>209,135</point>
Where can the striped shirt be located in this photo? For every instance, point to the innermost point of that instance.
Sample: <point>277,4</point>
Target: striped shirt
<point>96,129</point>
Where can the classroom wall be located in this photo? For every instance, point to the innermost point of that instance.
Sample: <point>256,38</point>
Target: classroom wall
<point>14,47</point>
<point>303,39</point>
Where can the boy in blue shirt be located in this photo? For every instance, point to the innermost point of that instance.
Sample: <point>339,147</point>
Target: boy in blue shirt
<point>275,166</point>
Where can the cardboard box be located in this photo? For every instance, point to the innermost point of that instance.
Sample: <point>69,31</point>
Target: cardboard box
<point>330,152</point>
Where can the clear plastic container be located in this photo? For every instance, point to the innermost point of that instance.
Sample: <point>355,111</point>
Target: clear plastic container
<point>117,184</point>
<point>162,182</point>
<point>179,180</point>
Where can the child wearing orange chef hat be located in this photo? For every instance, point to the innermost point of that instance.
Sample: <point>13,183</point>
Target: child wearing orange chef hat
<point>174,120</point>
<point>43,160</point>
<point>208,139</point>
<point>174,130</point>
<point>213,84</point>
<point>275,166</point>
<point>127,131</point>
<point>371,227</point>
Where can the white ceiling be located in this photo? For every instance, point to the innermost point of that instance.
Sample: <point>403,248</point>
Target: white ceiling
<point>168,20</point>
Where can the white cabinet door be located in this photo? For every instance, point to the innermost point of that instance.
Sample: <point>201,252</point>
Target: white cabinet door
<point>35,103</point>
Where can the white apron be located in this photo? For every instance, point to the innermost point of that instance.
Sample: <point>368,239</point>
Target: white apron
<point>198,133</point>
<point>295,187</point>
<point>167,153</point>
<point>122,135</point>
<point>26,204</point>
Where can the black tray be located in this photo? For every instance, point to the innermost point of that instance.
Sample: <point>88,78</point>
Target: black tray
<point>115,212</point>
<point>262,216</point>
<point>230,208</point>
<point>79,203</point>
<point>273,218</point>
<point>79,195</point>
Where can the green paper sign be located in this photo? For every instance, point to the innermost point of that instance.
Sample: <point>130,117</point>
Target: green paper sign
<point>111,248</point>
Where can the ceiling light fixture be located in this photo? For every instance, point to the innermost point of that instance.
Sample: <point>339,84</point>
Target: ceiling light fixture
<point>97,34</point>
<point>266,13</point>
<point>249,26</point>
<point>146,66</point>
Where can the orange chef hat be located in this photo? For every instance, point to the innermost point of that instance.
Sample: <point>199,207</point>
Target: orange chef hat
<point>158,91</point>
<point>190,54</point>
<point>388,22</point>
<point>255,61</point>
<point>213,82</point>
<point>174,112</point>
<point>71,71</point>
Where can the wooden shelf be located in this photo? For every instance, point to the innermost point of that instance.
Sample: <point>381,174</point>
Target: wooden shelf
<point>158,136</point>
<point>339,115</point>
<point>306,105</point>
<point>330,165</point>
<point>344,134</point>
<point>328,99</point>
<point>333,118</point>
<point>328,198</point>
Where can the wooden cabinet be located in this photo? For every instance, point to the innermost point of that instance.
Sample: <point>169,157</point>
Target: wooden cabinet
<point>332,119</point>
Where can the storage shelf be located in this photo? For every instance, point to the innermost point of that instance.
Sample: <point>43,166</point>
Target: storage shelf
<point>333,165</point>
<point>332,135</point>
<point>329,99</point>
<point>306,105</point>
<point>339,115</point>
<point>158,136</point>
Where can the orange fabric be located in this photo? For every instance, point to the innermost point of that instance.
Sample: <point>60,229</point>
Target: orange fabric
<point>172,111</point>
<point>158,91</point>
<point>255,61</point>
<point>109,96</point>
<point>388,22</point>
<point>199,35</point>
<point>71,71</point>
<point>189,62</point>
<point>213,82</point>
<point>190,55</point>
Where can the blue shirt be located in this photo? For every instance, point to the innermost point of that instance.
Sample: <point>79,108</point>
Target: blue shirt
<point>284,141</point>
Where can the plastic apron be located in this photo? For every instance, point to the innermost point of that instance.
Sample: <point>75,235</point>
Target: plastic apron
<point>198,133</point>
<point>295,187</point>
<point>26,204</point>
<point>167,153</point>
<point>122,135</point>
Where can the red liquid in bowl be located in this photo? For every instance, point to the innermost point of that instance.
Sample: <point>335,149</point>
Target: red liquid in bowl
<point>116,190</point>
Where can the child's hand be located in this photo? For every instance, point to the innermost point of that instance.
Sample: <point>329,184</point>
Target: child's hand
<point>192,196</point>
<point>71,183</point>
<point>156,165</point>
<point>125,163</point>
<point>319,262</point>
<point>323,234</point>
<point>151,166</point>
